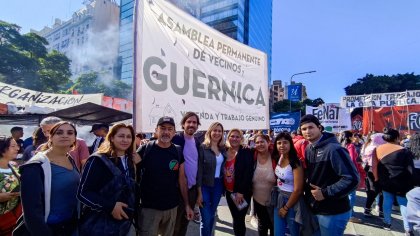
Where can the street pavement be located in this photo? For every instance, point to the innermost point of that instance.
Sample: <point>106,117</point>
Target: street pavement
<point>370,226</point>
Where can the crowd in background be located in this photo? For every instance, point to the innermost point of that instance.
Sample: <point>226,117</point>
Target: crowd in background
<point>298,183</point>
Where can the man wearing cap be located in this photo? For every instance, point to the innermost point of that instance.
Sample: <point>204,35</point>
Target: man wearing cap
<point>100,131</point>
<point>161,172</point>
<point>190,148</point>
<point>331,177</point>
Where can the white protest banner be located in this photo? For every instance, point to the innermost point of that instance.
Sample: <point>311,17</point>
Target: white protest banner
<point>22,97</point>
<point>382,99</point>
<point>332,117</point>
<point>183,65</point>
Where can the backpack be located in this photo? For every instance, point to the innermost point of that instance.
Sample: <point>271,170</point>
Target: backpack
<point>102,223</point>
<point>144,153</point>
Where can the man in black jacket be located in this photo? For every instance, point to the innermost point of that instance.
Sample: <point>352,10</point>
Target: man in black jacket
<point>330,176</point>
<point>190,146</point>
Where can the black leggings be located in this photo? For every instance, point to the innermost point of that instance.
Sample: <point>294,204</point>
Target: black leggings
<point>372,190</point>
<point>238,216</point>
<point>265,219</point>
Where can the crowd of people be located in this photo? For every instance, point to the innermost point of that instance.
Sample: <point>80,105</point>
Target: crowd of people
<point>299,183</point>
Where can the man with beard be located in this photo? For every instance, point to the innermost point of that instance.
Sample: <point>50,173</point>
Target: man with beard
<point>190,146</point>
<point>160,172</point>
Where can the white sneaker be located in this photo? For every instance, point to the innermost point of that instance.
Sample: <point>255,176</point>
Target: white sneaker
<point>197,215</point>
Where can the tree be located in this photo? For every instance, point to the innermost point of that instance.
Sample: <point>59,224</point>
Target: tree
<point>283,106</point>
<point>26,63</point>
<point>92,83</point>
<point>54,73</point>
<point>384,84</point>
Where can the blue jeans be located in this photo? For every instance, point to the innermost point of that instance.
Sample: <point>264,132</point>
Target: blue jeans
<point>211,199</point>
<point>387,205</point>
<point>289,221</point>
<point>352,198</point>
<point>333,225</point>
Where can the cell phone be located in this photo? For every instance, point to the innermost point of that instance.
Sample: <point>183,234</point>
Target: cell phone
<point>16,189</point>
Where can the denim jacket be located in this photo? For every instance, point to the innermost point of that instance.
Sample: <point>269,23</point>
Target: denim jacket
<point>207,166</point>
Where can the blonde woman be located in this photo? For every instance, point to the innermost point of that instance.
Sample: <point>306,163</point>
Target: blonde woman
<point>238,179</point>
<point>210,176</point>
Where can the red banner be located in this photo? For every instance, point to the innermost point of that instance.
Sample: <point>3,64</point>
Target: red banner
<point>402,118</point>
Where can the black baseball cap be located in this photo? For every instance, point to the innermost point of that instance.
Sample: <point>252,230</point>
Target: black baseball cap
<point>167,120</point>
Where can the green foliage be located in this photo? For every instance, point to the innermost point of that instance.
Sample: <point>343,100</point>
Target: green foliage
<point>384,84</point>
<point>25,61</point>
<point>283,106</point>
<point>92,83</point>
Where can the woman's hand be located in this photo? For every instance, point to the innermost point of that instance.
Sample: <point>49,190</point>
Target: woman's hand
<point>136,158</point>
<point>282,212</point>
<point>199,201</point>
<point>4,197</point>
<point>118,211</point>
<point>239,198</point>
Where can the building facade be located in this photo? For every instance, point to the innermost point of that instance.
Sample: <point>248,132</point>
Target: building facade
<point>247,21</point>
<point>88,38</point>
<point>276,93</point>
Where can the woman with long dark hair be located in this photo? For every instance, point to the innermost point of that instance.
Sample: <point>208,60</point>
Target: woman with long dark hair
<point>238,179</point>
<point>393,169</point>
<point>210,176</point>
<point>49,182</point>
<point>10,207</point>
<point>346,141</point>
<point>107,186</point>
<point>263,181</point>
<point>290,182</point>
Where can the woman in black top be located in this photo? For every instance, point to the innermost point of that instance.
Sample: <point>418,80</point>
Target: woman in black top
<point>107,185</point>
<point>393,168</point>
<point>238,170</point>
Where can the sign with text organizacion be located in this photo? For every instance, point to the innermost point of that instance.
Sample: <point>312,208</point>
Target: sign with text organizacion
<point>182,65</point>
<point>26,97</point>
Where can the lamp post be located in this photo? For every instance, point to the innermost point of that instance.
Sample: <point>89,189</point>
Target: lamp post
<point>290,101</point>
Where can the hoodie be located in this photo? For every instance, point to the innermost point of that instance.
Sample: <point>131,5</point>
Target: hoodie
<point>329,167</point>
<point>300,144</point>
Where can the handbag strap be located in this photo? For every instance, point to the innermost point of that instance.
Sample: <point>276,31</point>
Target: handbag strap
<point>14,172</point>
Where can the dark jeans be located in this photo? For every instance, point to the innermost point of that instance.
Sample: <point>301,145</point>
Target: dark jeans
<point>66,228</point>
<point>372,190</point>
<point>238,216</point>
<point>265,221</point>
<point>181,224</point>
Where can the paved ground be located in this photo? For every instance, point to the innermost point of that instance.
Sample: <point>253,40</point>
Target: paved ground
<point>370,226</point>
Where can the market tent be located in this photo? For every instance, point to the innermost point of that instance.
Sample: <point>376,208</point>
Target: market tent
<point>89,113</point>
<point>83,114</point>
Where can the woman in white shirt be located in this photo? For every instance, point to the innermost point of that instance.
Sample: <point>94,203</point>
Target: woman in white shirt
<point>210,176</point>
<point>290,177</point>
